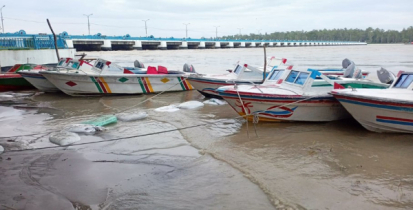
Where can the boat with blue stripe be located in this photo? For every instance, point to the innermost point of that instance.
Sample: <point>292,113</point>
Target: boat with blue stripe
<point>295,95</point>
<point>388,110</point>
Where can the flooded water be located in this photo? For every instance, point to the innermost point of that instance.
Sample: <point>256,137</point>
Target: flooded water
<point>227,164</point>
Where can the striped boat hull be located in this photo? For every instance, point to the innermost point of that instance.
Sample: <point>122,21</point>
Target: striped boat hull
<point>281,108</point>
<point>379,116</point>
<point>78,84</point>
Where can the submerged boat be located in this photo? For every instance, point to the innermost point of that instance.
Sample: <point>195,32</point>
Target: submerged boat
<point>11,80</point>
<point>293,95</point>
<point>35,78</point>
<point>106,78</point>
<point>207,84</point>
<point>389,110</point>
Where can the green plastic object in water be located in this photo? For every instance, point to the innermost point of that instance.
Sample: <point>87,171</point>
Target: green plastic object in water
<point>102,121</point>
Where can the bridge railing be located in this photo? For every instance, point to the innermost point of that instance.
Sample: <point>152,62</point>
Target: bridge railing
<point>151,38</point>
<point>25,42</point>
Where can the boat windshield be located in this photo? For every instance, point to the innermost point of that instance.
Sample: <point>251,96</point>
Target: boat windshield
<point>404,81</point>
<point>276,74</point>
<point>238,69</point>
<point>61,63</point>
<point>297,77</point>
<point>99,65</point>
<point>75,65</point>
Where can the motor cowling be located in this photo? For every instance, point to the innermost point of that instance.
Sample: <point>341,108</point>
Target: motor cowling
<point>189,68</point>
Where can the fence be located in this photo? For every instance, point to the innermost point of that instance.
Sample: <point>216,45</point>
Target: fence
<point>25,42</point>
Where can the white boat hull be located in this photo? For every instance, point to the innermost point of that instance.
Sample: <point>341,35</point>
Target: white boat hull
<point>208,87</point>
<point>38,81</point>
<point>80,84</point>
<point>320,109</point>
<point>378,115</point>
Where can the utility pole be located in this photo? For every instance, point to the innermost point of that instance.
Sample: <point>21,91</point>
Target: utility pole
<point>216,31</point>
<point>146,28</point>
<point>88,23</point>
<point>186,29</point>
<point>240,31</point>
<point>1,11</point>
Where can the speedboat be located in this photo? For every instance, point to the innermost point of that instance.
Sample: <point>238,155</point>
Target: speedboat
<point>388,110</point>
<point>207,84</point>
<point>11,80</point>
<point>107,78</point>
<point>294,95</point>
<point>34,77</point>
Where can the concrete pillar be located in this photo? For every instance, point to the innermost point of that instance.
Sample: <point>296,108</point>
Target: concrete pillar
<point>201,45</point>
<point>217,44</point>
<point>242,44</point>
<point>137,45</point>
<point>272,44</point>
<point>230,44</point>
<point>253,44</point>
<point>162,46</point>
<point>107,45</point>
<point>69,43</point>
<point>184,45</point>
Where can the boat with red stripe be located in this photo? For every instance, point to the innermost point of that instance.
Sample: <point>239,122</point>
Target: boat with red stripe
<point>388,110</point>
<point>11,80</point>
<point>293,95</point>
<point>107,78</point>
<point>207,84</point>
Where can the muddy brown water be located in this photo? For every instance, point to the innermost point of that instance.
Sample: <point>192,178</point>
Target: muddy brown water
<point>224,165</point>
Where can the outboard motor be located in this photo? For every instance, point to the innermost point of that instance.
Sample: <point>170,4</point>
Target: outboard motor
<point>385,76</point>
<point>350,67</point>
<point>345,63</point>
<point>138,64</point>
<point>189,68</point>
<point>357,74</point>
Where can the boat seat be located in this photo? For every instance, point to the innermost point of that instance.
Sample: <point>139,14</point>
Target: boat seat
<point>162,70</point>
<point>152,70</point>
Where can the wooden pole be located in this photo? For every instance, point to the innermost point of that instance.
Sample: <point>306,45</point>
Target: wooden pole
<point>55,40</point>
<point>265,64</point>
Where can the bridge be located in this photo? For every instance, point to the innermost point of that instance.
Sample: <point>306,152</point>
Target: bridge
<point>21,40</point>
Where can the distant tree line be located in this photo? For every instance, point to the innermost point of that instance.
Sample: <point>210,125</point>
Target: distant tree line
<point>369,35</point>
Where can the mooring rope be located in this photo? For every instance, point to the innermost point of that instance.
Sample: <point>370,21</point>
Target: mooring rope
<point>245,110</point>
<point>255,114</point>
<point>118,111</point>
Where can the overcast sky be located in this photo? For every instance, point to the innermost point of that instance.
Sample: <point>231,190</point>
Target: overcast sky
<point>167,17</point>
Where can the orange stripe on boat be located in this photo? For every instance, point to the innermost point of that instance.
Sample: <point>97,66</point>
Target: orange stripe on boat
<point>149,84</point>
<point>105,84</point>
<point>189,85</point>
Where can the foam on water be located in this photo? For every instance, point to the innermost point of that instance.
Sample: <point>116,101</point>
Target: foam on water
<point>190,105</point>
<point>170,108</point>
<point>214,101</point>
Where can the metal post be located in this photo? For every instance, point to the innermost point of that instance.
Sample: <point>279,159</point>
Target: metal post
<point>55,40</point>
<point>216,31</point>
<point>240,31</point>
<point>186,30</point>
<point>146,28</point>
<point>88,23</point>
<point>1,11</point>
